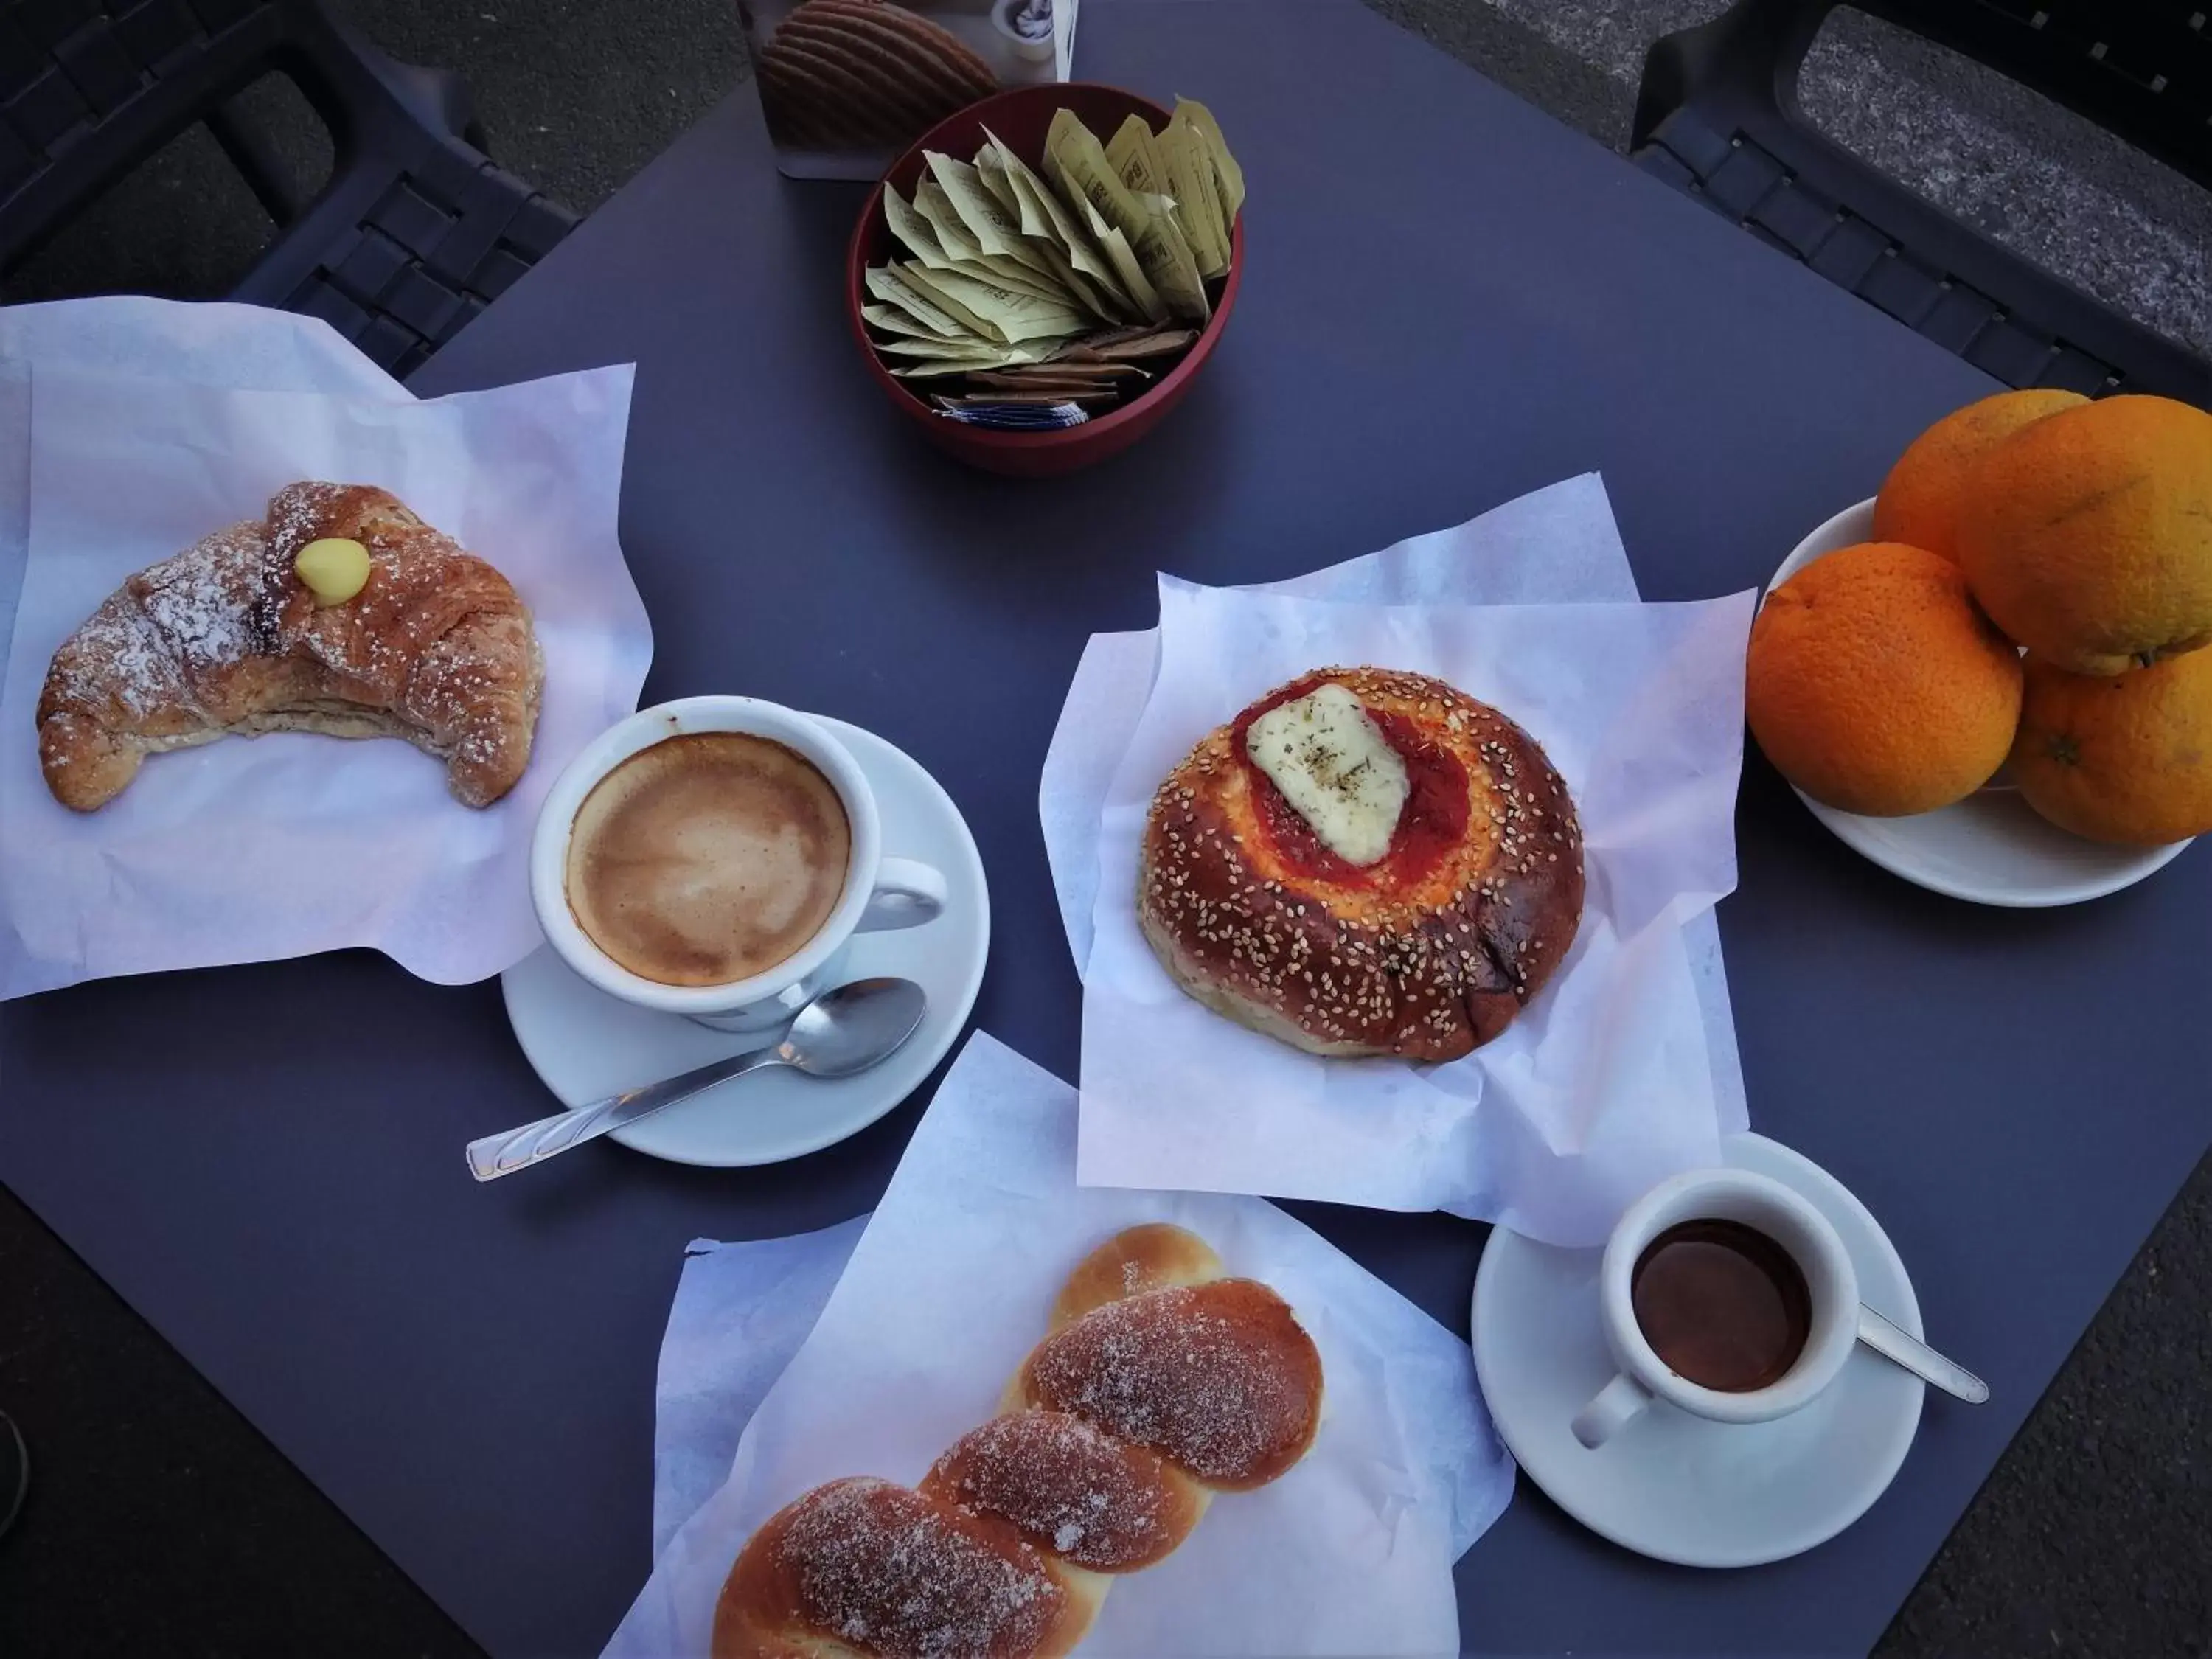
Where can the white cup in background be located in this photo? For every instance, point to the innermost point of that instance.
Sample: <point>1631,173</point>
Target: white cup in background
<point>879,893</point>
<point>1766,1206</point>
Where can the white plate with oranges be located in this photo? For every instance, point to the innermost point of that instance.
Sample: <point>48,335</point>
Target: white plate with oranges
<point>1968,754</point>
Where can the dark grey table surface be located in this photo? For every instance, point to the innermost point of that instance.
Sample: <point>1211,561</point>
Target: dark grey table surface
<point>1450,301</point>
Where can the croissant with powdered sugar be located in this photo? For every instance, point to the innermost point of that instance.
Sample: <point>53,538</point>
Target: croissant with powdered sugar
<point>227,638</point>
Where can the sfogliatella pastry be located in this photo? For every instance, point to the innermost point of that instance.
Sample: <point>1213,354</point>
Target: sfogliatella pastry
<point>1363,862</point>
<point>1163,1383</point>
<point>339,612</point>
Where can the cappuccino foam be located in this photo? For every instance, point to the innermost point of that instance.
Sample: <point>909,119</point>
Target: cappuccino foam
<point>708,858</point>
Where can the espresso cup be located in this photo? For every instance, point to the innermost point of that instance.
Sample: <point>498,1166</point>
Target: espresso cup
<point>1786,1219</point>
<point>879,892</point>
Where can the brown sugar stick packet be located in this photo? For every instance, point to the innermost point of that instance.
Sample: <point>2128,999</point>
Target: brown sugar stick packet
<point>1098,374</point>
<point>976,385</point>
<point>1115,335</point>
<point>1091,390</point>
<point>1001,382</point>
<point>1043,371</point>
<point>1153,343</point>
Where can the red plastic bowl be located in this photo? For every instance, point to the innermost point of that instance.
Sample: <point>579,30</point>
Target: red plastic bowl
<point>1020,117</point>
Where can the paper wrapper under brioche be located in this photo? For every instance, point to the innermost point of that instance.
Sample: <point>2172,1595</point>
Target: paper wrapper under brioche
<point>946,1295</point>
<point>1163,1383</point>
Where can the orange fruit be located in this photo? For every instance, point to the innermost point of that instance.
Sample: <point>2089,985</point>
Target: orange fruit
<point>2087,535</point>
<point>2120,757</point>
<point>1919,500</point>
<point>1875,685</point>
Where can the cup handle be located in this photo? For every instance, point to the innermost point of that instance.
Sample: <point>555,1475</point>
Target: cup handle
<point>907,894</point>
<point>1612,1409</point>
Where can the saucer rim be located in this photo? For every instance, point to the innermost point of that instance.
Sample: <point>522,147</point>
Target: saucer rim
<point>931,1045</point>
<point>1893,844</point>
<point>1905,1313</point>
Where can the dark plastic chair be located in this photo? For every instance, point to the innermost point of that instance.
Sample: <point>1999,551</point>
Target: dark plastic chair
<point>416,230</point>
<point>1717,116</point>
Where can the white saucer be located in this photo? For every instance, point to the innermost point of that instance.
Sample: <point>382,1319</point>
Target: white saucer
<point>585,1045</point>
<point>1672,1485</point>
<point>1991,848</point>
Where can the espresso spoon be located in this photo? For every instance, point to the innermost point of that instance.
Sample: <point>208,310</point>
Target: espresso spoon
<point>839,1033</point>
<point>1900,1347</point>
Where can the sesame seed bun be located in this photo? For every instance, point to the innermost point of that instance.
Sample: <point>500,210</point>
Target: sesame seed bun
<point>1427,963</point>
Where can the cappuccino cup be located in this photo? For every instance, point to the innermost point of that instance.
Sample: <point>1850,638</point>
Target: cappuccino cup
<point>713,857</point>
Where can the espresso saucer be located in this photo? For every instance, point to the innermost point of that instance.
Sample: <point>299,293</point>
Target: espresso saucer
<point>1670,1485</point>
<point>585,1045</point>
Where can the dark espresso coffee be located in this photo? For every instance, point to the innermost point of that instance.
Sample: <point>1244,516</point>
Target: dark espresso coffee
<point>708,858</point>
<point>1722,1304</point>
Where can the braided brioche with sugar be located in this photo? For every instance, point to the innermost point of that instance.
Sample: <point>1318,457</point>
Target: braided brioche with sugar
<point>225,638</point>
<point>1162,1382</point>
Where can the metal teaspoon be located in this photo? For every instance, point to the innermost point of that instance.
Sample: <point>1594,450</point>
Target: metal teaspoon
<point>1900,1347</point>
<point>838,1034</point>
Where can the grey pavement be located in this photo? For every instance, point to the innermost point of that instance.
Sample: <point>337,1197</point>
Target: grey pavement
<point>580,93</point>
<point>2095,1534</point>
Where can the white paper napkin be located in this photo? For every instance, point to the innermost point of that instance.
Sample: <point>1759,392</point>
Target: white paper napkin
<point>947,1291</point>
<point>1624,1070</point>
<point>15,489</point>
<point>741,1311</point>
<point>282,846</point>
<point>233,345</point>
<point>207,344</point>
